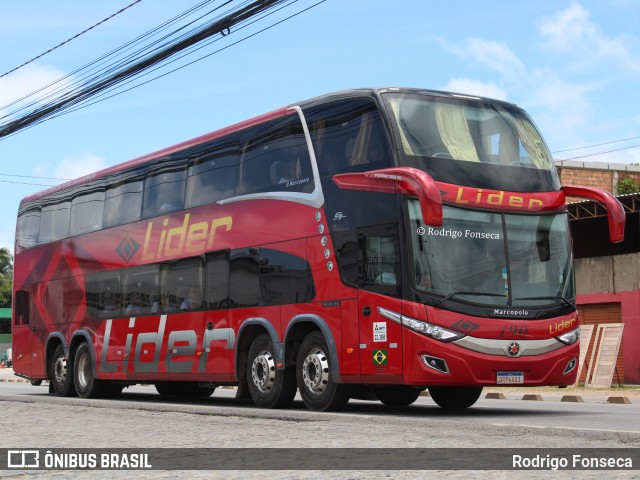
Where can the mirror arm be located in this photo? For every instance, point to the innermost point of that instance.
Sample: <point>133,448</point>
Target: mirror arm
<point>406,181</point>
<point>615,210</point>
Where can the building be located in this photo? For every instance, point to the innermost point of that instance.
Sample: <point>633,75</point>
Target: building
<point>607,275</point>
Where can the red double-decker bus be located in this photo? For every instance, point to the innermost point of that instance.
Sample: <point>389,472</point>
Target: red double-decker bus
<point>367,242</point>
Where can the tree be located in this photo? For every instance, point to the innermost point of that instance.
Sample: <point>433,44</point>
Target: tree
<point>6,274</point>
<point>627,185</point>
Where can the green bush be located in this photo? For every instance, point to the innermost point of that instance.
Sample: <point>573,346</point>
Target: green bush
<point>627,185</point>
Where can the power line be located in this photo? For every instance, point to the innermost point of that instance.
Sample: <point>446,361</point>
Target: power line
<point>158,54</point>
<point>602,153</point>
<point>29,183</point>
<point>70,39</point>
<point>597,145</point>
<point>32,176</point>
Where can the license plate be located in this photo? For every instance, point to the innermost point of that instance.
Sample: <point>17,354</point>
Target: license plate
<point>507,378</point>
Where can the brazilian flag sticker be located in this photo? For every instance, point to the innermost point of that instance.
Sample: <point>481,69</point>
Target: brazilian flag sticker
<point>379,357</point>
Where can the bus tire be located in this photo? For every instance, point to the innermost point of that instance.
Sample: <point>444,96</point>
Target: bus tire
<point>455,397</point>
<point>397,395</point>
<point>313,372</point>
<point>61,374</point>
<point>268,386</point>
<point>86,384</point>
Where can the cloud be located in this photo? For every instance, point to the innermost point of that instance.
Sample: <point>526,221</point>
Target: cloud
<point>563,103</point>
<point>490,54</point>
<point>75,167</point>
<point>25,81</point>
<point>571,31</point>
<point>475,87</point>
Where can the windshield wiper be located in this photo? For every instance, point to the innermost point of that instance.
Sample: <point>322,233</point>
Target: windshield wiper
<point>564,300</point>
<point>479,294</point>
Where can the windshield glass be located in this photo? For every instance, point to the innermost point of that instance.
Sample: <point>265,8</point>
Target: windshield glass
<point>474,142</point>
<point>492,258</point>
<point>486,133</point>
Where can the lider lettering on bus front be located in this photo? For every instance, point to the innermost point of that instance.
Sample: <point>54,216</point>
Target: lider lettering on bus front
<point>465,196</point>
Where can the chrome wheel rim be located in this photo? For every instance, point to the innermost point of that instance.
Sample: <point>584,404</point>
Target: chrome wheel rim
<point>263,371</point>
<point>315,371</point>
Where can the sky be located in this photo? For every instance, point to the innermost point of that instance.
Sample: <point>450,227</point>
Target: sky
<point>573,65</point>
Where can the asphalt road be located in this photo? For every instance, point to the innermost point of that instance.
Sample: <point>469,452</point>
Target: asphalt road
<point>140,418</point>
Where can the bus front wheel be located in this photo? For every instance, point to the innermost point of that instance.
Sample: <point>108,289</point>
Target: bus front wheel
<point>455,397</point>
<point>61,374</point>
<point>317,388</point>
<point>269,387</point>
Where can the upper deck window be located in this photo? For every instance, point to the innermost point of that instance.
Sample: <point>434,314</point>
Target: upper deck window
<point>28,228</point>
<point>123,198</point>
<point>164,188</point>
<point>87,206</point>
<point>54,222</point>
<point>456,139</point>
<point>275,157</point>
<point>348,136</point>
<point>212,172</point>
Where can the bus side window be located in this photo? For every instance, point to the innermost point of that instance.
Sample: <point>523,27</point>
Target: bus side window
<point>141,290</point>
<point>216,270</point>
<point>275,157</point>
<point>285,278</point>
<point>380,259</point>
<point>22,308</point>
<point>348,136</point>
<point>27,231</point>
<point>164,188</point>
<point>103,294</point>
<point>182,286</point>
<point>212,173</point>
<point>123,198</point>
<point>87,207</point>
<point>244,278</point>
<point>54,220</point>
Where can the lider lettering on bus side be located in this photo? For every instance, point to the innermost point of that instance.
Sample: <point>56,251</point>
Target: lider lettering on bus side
<point>180,343</point>
<point>188,238</point>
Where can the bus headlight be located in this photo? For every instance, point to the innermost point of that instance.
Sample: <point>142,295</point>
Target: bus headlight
<point>433,331</point>
<point>424,328</point>
<point>570,338</point>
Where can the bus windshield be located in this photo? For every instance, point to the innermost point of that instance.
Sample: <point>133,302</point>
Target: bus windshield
<point>493,259</point>
<point>471,142</point>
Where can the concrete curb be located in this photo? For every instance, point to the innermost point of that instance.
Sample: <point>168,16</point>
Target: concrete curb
<point>621,400</point>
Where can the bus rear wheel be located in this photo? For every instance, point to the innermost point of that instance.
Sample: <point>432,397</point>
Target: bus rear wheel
<point>61,374</point>
<point>397,395</point>
<point>86,384</point>
<point>313,372</point>
<point>268,386</point>
<point>455,397</point>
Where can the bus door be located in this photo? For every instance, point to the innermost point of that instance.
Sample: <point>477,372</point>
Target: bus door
<point>379,303</point>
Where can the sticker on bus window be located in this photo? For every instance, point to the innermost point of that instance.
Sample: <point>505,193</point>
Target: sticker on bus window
<point>379,331</point>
